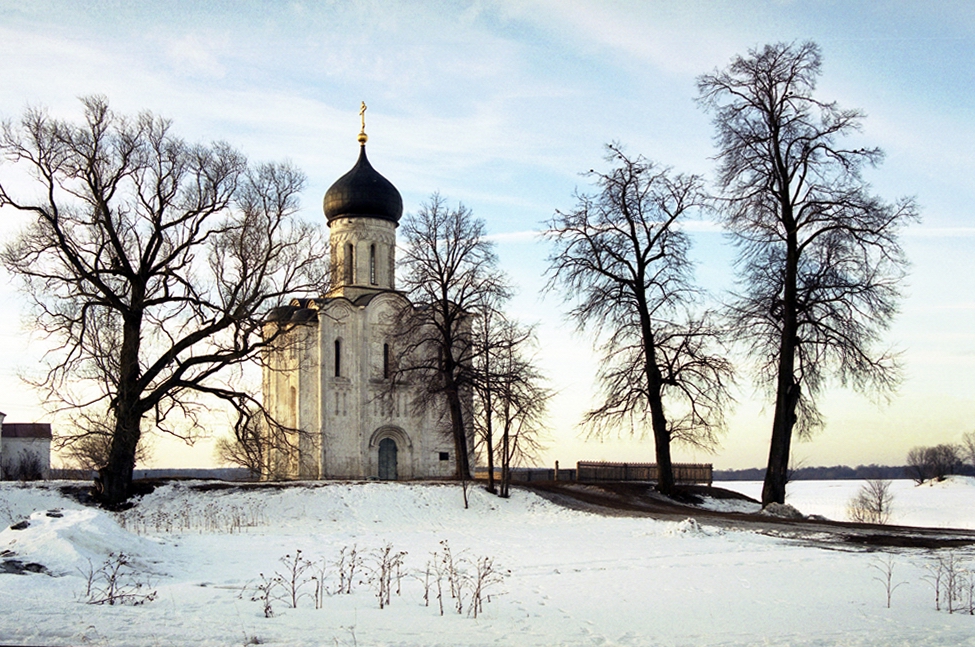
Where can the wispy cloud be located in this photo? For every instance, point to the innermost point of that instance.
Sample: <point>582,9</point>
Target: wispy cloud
<point>198,54</point>
<point>939,232</point>
<point>515,237</point>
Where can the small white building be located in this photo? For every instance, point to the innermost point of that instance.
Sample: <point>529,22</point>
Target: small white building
<point>25,450</point>
<point>331,380</point>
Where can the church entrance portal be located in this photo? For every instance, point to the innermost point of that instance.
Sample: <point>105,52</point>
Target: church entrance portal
<point>387,459</point>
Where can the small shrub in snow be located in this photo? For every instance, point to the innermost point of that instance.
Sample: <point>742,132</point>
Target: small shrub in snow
<point>320,580</point>
<point>348,562</point>
<point>485,576</point>
<point>264,593</point>
<point>968,590</point>
<point>872,502</point>
<point>885,566</point>
<point>385,564</point>
<point>468,581</point>
<point>116,582</point>
<point>953,583</point>
<point>936,572</point>
<point>293,580</point>
<point>450,568</point>
<point>433,576</point>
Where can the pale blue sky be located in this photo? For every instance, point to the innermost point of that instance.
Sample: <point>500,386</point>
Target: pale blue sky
<point>502,105</point>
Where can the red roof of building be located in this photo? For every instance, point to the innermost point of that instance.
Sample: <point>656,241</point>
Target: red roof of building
<point>26,430</point>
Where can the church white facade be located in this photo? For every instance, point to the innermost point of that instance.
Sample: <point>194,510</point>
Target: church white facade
<point>331,380</point>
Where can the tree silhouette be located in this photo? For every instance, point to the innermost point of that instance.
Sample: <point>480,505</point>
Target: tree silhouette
<point>621,259</point>
<point>819,257</point>
<point>449,273</point>
<point>150,263</point>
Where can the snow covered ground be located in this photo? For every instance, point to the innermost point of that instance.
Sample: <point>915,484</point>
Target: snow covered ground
<point>572,578</point>
<point>946,504</point>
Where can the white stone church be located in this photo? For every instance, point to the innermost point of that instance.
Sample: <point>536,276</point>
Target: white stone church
<point>331,379</point>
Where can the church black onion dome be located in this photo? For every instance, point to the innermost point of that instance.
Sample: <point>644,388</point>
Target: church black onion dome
<point>363,192</point>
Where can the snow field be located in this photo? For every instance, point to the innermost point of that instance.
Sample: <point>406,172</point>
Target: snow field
<point>946,504</point>
<point>575,578</point>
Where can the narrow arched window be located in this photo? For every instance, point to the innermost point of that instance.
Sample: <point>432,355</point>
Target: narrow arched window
<point>349,263</point>
<point>338,358</point>
<point>385,361</point>
<point>372,264</point>
<point>293,414</point>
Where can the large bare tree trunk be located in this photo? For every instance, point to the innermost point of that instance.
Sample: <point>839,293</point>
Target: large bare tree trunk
<point>462,462</point>
<point>488,412</point>
<point>787,389</point>
<point>661,440</point>
<point>489,448</point>
<point>777,472</point>
<point>116,476</point>
<point>658,419</point>
<point>505,462</point>
<point>661,434</point>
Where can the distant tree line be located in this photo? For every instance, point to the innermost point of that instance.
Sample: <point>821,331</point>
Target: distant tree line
<point>924,463</point>
<point>820,473</point>
<point>937,462</point>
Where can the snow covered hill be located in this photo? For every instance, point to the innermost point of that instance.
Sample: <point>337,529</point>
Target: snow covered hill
<point>561,577</point>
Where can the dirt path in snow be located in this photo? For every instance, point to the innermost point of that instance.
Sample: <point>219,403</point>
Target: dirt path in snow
<point>639,500</point>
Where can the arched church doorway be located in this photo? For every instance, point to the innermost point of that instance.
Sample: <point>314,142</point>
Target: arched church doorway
<point>387,459</point>
<point>391,454</point>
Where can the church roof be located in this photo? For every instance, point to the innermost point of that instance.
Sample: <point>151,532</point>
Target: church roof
<point>305,310</point>
<point>26,430</point>
<point>363,192</point>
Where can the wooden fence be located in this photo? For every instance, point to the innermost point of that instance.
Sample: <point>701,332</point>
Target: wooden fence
<point>684,473</point>
<point>529,474</point>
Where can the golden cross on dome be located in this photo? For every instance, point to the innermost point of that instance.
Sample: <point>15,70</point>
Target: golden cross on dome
<point>362,133</point>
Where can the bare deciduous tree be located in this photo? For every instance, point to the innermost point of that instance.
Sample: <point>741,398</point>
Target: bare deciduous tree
<point>519,396</point>
<point>151,263</point>
<point>449,272</point>
<point>872,502</point>
<point>967,447</point>
<point>621,257</point>
<point>925,463</point>
<point>86,442</point>
<point>509,396</point>
<point>265,448</point>
<point>819,256</point>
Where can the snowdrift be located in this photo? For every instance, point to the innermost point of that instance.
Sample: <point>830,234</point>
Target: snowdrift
<point>70,541</point>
